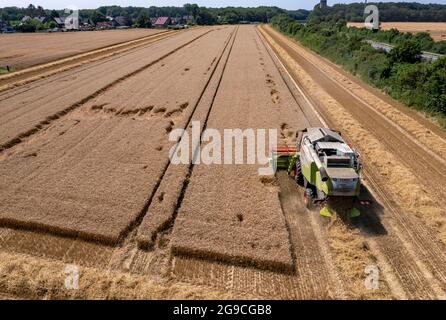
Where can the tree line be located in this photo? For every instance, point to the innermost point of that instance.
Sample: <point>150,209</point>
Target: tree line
<point>141,15</point>
<point>401,72</point>
<point>388,12</point>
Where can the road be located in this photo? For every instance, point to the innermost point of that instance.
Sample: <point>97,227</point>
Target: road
<point>427,56</point>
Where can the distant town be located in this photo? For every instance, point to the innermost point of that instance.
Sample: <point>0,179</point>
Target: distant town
<point>38,19</point>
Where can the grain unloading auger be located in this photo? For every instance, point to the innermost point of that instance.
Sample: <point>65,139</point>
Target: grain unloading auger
<point>326,166</point>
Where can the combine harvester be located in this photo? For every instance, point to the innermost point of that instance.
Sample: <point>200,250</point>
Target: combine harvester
<point>326,166</point>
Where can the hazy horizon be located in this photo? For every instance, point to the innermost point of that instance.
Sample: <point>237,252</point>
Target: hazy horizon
<point>91,4</point>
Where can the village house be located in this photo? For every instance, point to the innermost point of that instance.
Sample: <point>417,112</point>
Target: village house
<point>40,19</point>
<point>188,19</point>
<point>121,22</point>
<point>162,22</point>
<point>60,21</point>
<point>86,24</point>
<point>104,25</point>
<point>5,27</point>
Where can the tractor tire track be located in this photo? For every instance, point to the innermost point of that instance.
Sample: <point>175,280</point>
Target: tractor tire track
<point>61,75</point>
<point>45,70</point>
<point>144,244</point>
<point>314,264</point>
<point>50,119</point>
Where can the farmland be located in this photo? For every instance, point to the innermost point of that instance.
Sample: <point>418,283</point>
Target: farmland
<point>87,179</point>
<point>23,50</point>
<point>437,30</point>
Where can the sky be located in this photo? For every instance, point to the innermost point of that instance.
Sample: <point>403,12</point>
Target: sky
<point>88,4</point>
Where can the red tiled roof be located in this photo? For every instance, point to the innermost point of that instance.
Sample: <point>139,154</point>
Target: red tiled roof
<point>162,21</point>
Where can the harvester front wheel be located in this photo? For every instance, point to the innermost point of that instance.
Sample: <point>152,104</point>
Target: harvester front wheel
<point>308,198</point>
<point>298,175</point>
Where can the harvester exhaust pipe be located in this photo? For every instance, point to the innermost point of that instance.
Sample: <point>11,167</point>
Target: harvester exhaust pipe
<point>324,175</point>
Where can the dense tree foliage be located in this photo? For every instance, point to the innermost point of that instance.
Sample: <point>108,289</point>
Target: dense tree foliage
<point>97,16</point>
<point>192,10</point>
<point>401,73</point>
<point>229,15</point>
<point>351,12</point>
<point>143,20</point>
<point>34,25</point>
<point>388,11</point>
<point>205,17</point>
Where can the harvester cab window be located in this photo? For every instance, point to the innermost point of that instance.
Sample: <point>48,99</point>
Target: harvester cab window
<point>338,162</point>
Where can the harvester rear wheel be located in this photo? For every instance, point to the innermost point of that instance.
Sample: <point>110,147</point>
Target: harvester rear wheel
<point>298,175</point>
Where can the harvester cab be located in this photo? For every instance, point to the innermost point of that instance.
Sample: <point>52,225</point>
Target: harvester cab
<point>326,166</point>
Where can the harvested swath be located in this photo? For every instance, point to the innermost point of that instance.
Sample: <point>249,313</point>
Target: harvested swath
<point>26,110</point>
<point>264,284</point>
<point>236,201</point>
<point>352,257</point>
<point>36,278</point>
<point>254,247</point>
<point>22,50</point>
<point>88,254</point>
<point>43,245</point>
<point>90,175</point>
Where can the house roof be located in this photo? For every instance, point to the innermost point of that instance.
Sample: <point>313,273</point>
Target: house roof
<point>121,20</point>
<point>60,20</point>
<point>41,19</point>
<point>104,24</point>
<point>162,21</point>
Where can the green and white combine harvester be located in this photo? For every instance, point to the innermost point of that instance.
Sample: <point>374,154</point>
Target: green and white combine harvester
<point>326,166</point>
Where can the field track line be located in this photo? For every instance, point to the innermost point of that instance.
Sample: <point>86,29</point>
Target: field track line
<point>301,227</point>
<point>139,219</point>
<point>45,70</point>
<point>143,247</point>
<point>439,132</point>
<point>49,120</point>
<point>429,167</point>
<point>431,125</point>
<point>432,252</point>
